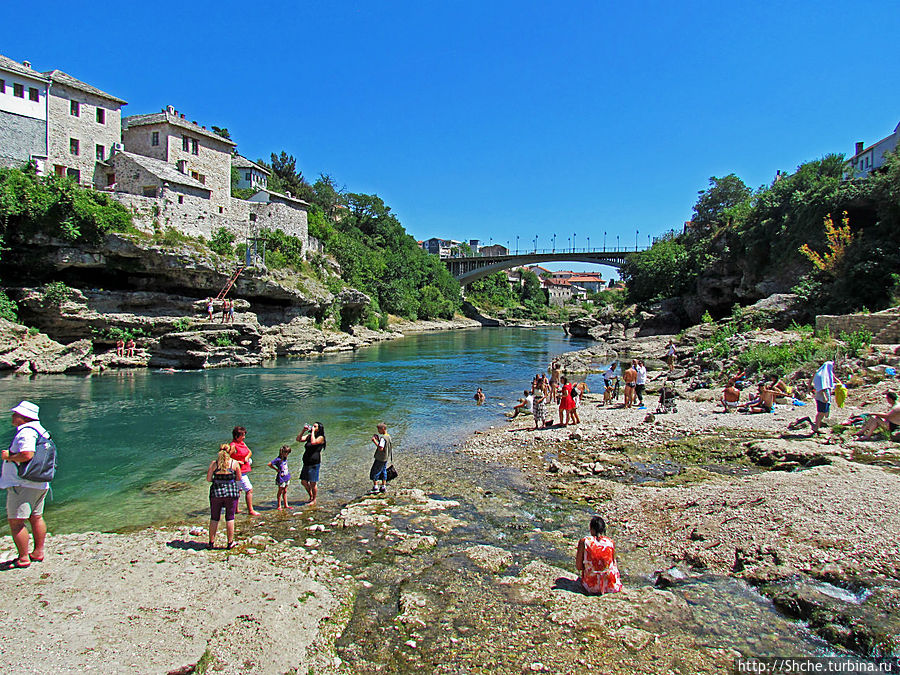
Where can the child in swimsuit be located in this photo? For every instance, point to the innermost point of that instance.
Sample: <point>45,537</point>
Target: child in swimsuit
<point>282,477</point>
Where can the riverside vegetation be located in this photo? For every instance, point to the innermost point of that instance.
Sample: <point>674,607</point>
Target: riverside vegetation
<point>834,242</point>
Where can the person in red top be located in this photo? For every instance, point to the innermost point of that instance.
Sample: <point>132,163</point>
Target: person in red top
<point>596,561</point>
<point>241,453</point>
<point>566,403</point>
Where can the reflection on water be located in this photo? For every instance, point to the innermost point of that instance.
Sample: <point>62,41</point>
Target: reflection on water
<point>121,431</point>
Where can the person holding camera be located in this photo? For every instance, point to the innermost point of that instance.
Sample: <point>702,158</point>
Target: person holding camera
<point>313,436</point>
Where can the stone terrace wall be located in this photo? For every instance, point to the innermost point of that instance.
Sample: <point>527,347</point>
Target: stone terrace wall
<point>884,326</point>
<point>196,216</point>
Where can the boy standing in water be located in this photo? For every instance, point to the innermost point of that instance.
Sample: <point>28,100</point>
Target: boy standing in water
<point>383,450</point>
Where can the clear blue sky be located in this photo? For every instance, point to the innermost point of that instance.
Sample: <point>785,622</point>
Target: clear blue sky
<point>484,120</point>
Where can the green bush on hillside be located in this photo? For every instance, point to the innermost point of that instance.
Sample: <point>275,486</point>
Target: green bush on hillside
<point>8,308</point>
<point>762,232</point>
<point>57,207</point>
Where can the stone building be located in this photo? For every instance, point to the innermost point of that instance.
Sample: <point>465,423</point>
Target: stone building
<point>559,291</point>
<point>23,114</point>
<point>250,174</point>
<point>494,250</point>
<point>85,124</point>
<point>192,149</point>
<point>139,175</point>
<point>265,196</point>
<point>866,160</point>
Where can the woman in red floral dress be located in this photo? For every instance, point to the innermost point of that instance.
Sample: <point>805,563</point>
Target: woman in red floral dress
<point>596,561</point>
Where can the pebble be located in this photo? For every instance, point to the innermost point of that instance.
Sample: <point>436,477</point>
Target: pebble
<point>410,643</point>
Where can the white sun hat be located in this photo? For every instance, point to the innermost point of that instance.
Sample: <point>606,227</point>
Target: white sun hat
<point>27,409</point>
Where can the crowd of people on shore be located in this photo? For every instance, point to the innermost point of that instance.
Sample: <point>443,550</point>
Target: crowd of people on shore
<point>556,390</point>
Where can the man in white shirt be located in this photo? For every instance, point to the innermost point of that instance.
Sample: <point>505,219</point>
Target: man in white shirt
<point>641,382</point>
<point>24,498</point>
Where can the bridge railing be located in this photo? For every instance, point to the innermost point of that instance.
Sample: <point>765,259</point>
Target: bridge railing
<point>552,251</point>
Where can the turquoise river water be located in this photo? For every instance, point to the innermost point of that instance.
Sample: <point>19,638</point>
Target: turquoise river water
<point>134,445</point>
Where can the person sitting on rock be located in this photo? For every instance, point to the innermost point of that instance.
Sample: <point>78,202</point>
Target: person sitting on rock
<point>781,389</point>
<point>764,401</point>
<point>731,397</point>
<point>595,559</point>
<point>889,421</point>
<point>524,405</point>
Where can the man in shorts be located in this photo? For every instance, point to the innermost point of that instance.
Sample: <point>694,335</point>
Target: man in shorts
<point>630,377</point>
<point>383,451</point>
<point>24,498</point>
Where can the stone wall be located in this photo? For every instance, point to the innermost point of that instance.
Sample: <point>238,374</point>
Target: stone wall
<point>20,138</point>
<point>85,128</point>
<point>884,326</point>
<point>212,162</point>
<point>196,216</point>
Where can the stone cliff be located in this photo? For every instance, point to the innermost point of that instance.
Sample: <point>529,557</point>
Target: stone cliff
<point>128,286</point>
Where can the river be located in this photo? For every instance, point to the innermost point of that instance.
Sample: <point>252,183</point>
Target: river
<point>134,445</point>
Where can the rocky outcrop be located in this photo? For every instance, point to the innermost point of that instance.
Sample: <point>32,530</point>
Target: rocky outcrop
<point>217,347</point>
<point>25,352</point>
<point>133,264</point>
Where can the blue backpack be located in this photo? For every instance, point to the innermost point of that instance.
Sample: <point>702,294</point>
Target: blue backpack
<point>42,467</point>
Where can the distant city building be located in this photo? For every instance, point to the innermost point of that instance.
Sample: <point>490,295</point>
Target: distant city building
<point>559,291</point>
<point>250,174</point>
<point>539,271</point>
<point>23,114</point>
<point>494,250</point>
<point>443,248</point>
<point>191,148</point>
<point>515,277</point>
<point>590,282</point>
<point>868,159</point>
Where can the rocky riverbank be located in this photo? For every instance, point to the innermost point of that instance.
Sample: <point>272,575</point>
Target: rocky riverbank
<point>809,521</point>
<point>734,536</point>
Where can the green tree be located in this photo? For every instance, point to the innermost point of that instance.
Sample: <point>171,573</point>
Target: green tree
<point>531,289</point>
<point>662,271</point>
<point>722,194</point>
<point>222,242</point>
<point>287,178</point>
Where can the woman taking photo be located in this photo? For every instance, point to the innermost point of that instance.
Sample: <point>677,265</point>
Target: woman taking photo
<point>313,436</point>
<point>224,474</point>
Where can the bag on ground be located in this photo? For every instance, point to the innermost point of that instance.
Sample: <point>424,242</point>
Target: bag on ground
<point>391,473</point>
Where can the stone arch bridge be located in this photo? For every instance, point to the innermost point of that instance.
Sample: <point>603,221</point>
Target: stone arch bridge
<point>471,268</point>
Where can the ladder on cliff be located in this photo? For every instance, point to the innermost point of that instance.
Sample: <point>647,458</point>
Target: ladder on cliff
<point>231,280</point>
